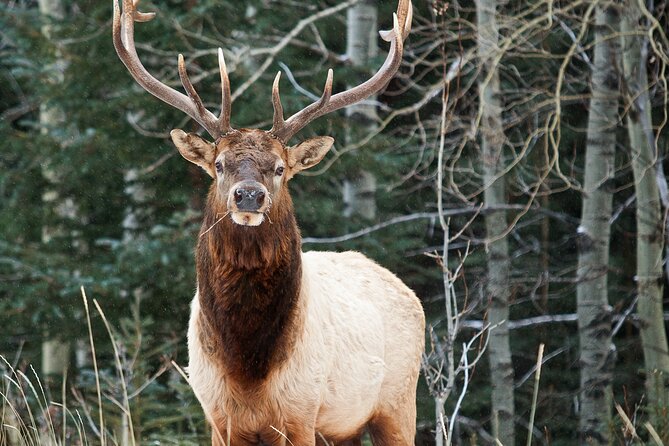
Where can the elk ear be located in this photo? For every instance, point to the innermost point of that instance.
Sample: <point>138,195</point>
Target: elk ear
<point>195,149</point>
<point>308,153</point>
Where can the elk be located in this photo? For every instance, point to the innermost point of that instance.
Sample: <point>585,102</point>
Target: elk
<point>286,347</point>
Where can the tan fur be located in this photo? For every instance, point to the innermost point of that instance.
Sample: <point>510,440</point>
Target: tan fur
<point>356,362</point>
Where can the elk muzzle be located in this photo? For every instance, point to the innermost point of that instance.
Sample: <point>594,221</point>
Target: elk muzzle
<point>247,202</point>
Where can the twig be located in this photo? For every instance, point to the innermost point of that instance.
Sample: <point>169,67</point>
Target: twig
<point>404,219</point>
<point>553,318</point>
<point>156,164</point>
<point>313,97</point>
<point>282,434</point>
<point>465,385</point>
<point>119,366</point>
<point>535,394</point>
<point>215,223</point>
<point>273,51</point>
<point>103,439</point>
<point>628,430</point>
<point>653,433</point>
<point>546,358</point>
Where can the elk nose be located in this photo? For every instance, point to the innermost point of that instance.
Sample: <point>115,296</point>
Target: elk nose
<point>249,198</point>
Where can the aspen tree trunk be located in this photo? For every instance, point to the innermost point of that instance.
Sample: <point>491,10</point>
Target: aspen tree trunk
<point>361,35</point>
<point>361,48</point>
<point>649,216</point>
<point>136,214</point>
<point>597,354</point>
<point>497,247</point>
<point>55,352</point>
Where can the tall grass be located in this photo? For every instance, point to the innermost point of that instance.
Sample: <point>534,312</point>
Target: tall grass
<point>29,418</point>
<point>104,408</point>
<point>105,404</point>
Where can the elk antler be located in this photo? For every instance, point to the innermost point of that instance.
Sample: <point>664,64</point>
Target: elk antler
<point>285,129</point>
<point>124,42</point>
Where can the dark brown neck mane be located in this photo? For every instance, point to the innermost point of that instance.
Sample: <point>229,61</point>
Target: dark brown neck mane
<point>249,284</point>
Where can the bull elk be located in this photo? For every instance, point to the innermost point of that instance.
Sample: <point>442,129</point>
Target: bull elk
<point>286,347</point>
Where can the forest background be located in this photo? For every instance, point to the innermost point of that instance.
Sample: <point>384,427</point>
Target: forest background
<point>512,174</point>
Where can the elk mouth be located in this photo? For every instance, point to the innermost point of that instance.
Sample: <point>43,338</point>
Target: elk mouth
<point>245,218</point>
<point>248,201</point>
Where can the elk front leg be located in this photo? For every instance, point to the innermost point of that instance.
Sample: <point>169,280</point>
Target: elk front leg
<point>300,435</point>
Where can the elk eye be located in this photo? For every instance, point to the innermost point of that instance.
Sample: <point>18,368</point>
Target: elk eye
<point>279,171</point>
<point>219,167</point>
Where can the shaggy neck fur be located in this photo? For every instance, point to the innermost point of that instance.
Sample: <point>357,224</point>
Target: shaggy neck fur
<point>249,285</point>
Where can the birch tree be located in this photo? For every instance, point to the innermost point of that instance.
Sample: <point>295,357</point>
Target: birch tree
<point>361,31</point>
<point>649,217</point>
<point>55,352</point>
<point>497,247</point>
<point>597,353</point>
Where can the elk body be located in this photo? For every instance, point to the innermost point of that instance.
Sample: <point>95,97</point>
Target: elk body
<point>287,347</point>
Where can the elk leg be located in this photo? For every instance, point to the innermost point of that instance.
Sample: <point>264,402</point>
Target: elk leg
<point>393,430</point>
<point>351,442</point>
<point>299,435</point>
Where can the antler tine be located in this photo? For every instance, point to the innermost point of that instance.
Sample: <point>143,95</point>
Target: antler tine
<point>188,86</point>
<point>277,122</point>
<point>327,90</point>
<point>405,16</point>
<point>123,37</point>
<point>280,129</point>
<point>226,101</point>
<point>327,103</point>
<point>409,20</point>
<point>141,16</point>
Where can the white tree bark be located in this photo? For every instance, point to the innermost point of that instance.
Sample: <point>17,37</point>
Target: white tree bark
<point>136,214</point>
<point>597,354</point>
<point>497,287</point>
<point>359,189</point>
<point>649,216</point>
<point>55,352</point>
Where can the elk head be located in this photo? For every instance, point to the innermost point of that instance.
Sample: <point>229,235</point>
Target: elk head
<point>251,166</point>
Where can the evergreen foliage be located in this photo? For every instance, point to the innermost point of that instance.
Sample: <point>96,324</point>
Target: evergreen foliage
<point>114,159</point>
